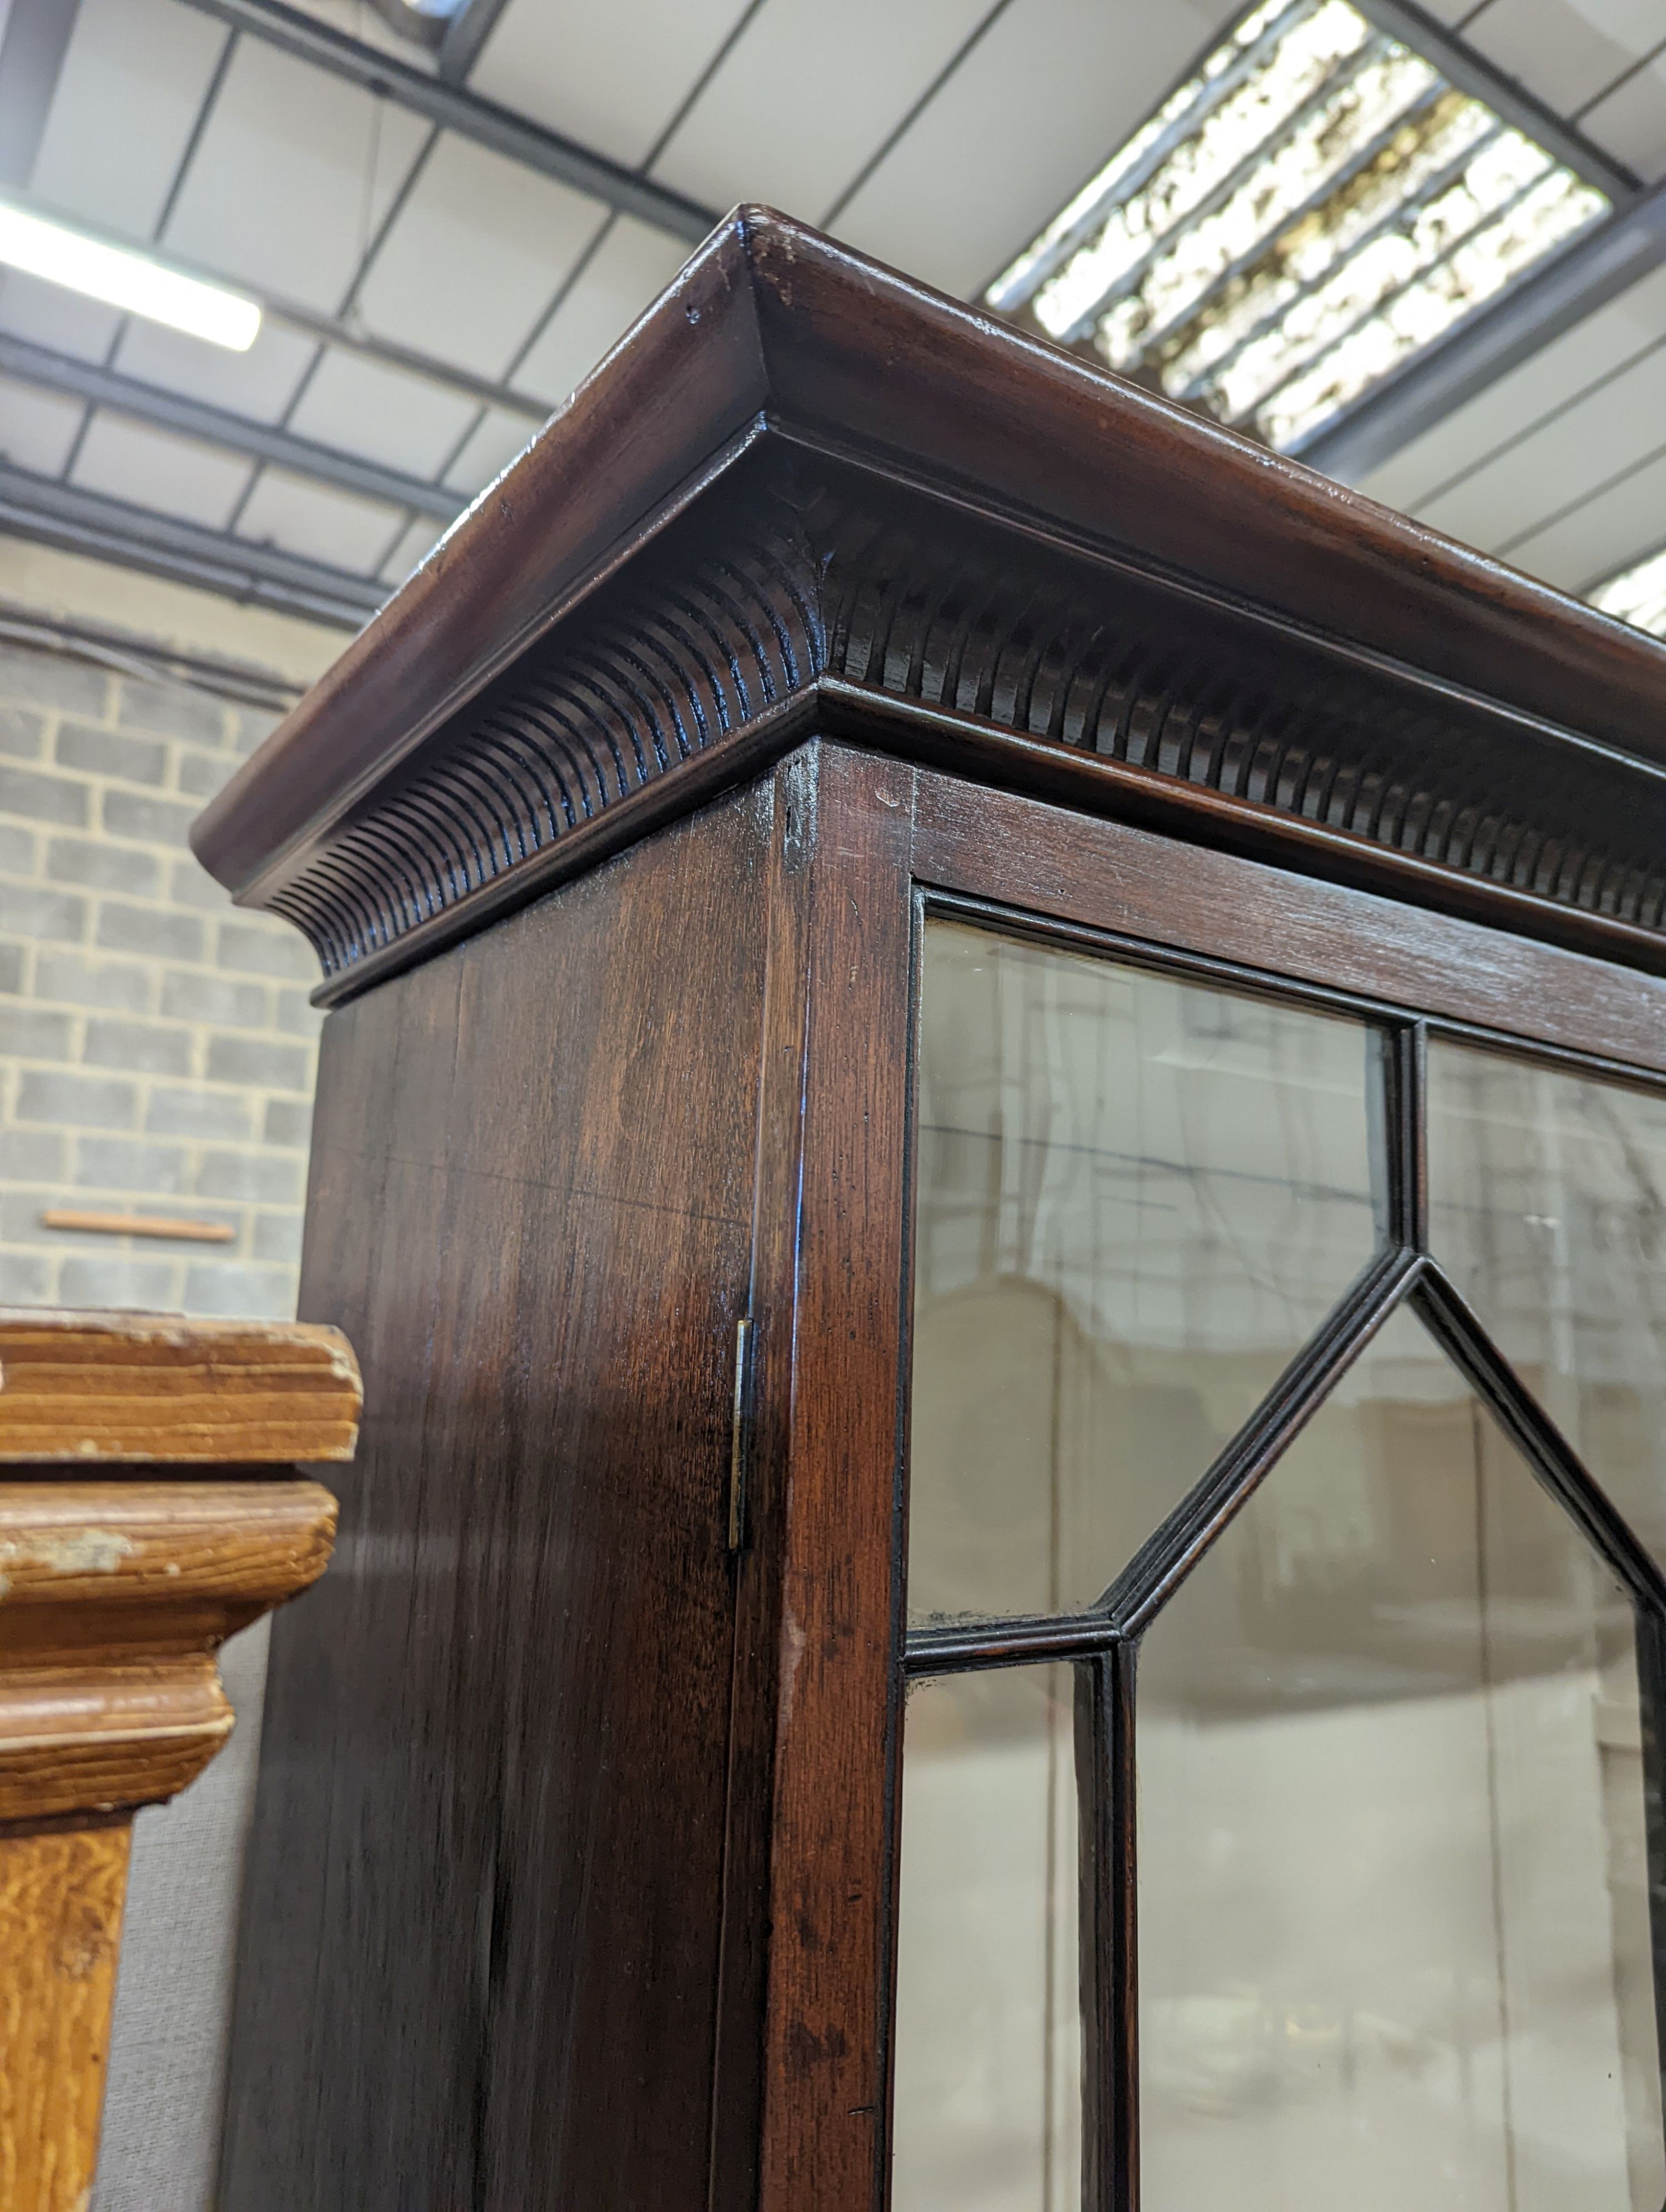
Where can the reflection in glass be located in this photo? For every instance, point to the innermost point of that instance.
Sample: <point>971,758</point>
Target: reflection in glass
<point>988,2038</point>
<point>1547,1207</point>
<point>1394,1932</point>
<point>1137,1198</point>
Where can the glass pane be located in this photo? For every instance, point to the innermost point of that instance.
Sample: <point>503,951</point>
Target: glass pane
<point>988,2112</point>
<point>1548,1207</point>
<point>1394,1930</point>
<point>1138,1197</point>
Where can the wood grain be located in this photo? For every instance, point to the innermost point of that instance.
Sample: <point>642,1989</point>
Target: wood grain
<point>119,1386</point>
<point>1109,876</point>
<point>481,1918</point>
<point>114,1598</point>
<point>772,324</point>
<point>61,1897</point>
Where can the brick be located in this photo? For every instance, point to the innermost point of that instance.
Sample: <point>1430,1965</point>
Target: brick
<point>252,1059</point>
<point>75,981</point>
<point>195,1113</point>
<point>31,1156</point>
<point>297,1016</point>
<point>289,1121</point>
<point>22,734</point>
<point>274,949</point>
<point>235,1287</point>
<point>127,1163</point>
<point>11,968</point>
<point>150,929</point>
<point>32,1032</point>
<point>189,883</point>
<point>30,911</point>
<point>115,1280</point>
<point>48,679</point>
<point>204,774</point>
<point>86,1101</point>
<point>188,996</point>
<point>26,1279</point>
<point>277,1237</point>
<point>103,867</point>
<point>16,850</point>
<point>149,821</point>
<point>175,709</point>
<point>20,1216</point>
<point>43,798</point>
<point>146,1048</point>
<point>271,1178</point>
<point>254,725</point>
<point>111,752</point>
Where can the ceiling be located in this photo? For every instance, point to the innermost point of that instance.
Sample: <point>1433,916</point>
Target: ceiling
<point>940,136</point>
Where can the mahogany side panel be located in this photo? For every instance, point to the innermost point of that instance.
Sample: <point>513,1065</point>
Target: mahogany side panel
<point>1109,876</point>
<point>478,1963</point>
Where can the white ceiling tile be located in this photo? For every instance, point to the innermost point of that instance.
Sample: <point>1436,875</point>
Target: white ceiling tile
<point>476,256</point>
<point>627,272</point>
<point>133,79</point>
<point>1552,466</point>
<point>743,141</point>
<point>1613,528</point>
<point>611,76</point>
<point>1450,12</point>
<point>1042,100</point>
<point>1564,53</point>
<point>32,308</point>
<point>37,428</point>
<point>294,168</point>
<point>259,383</point>
<point>493,444</point>
<point>1631,123</point>
<point>300,516</point>
<point>1549,378</point>
<point>154,468</point>
<point>363,408</point>
<point>414,544</point>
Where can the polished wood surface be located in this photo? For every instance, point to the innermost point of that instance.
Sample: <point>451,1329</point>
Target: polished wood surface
<point>129,1387</point>
<point>774,332</point>
<point>116,1594</point>
<point>480,1934</point>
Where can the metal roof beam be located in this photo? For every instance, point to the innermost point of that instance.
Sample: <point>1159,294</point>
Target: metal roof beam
<point>196,418</point>
<point>1595,268</point>
<point>455,109</point>
<point>1463,67</point>
<point>464,35</point>
<point>32,50</point>
<point>111,530</point>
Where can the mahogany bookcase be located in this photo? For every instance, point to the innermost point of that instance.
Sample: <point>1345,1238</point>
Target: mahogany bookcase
<point>827,622</point>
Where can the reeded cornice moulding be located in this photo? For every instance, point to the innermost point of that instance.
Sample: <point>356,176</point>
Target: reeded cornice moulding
<point>807,497</point>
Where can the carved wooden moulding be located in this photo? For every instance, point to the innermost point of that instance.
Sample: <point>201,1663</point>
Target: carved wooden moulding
<point>710,555</point>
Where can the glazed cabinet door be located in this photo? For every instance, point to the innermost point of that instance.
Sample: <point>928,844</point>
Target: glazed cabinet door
<point>1285,1521</point>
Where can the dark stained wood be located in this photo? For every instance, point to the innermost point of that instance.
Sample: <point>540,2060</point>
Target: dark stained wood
<point>837,1701</point>
<point>771,320</point>
<point>479,1950</point>
<point>1108,876</point>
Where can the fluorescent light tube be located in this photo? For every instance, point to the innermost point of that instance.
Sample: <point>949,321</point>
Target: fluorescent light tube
<point>124,279</point>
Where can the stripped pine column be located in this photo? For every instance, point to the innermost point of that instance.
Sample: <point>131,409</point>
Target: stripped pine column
<point>151,1505</point>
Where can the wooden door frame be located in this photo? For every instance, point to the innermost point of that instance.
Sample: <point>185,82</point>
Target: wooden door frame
<point>892,839</point>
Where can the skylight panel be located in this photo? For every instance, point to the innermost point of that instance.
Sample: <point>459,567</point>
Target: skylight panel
<point>1637,595</point>
<point>1311,208</point>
